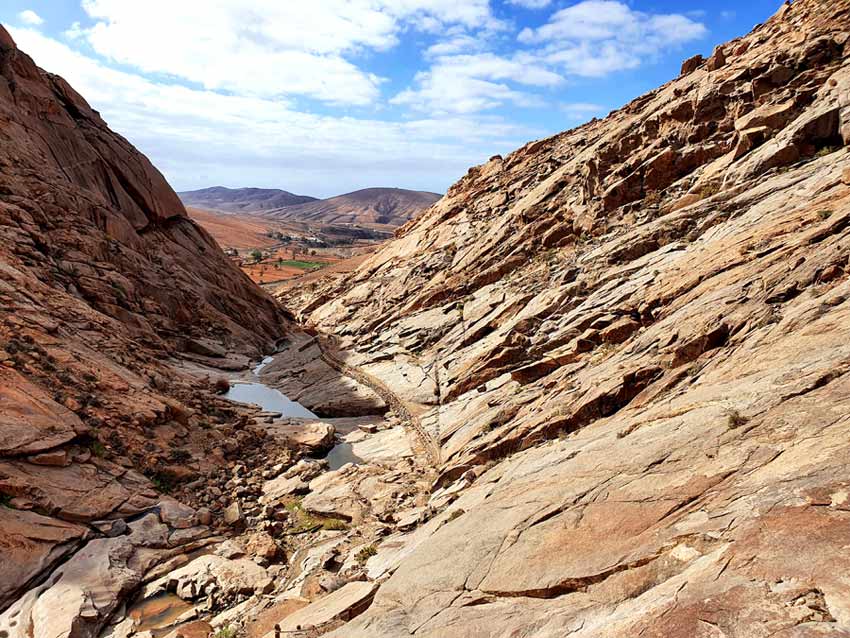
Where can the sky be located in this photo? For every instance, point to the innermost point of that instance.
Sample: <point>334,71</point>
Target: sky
<point>321,97</point>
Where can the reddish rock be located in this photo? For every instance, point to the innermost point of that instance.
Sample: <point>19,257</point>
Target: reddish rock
<point>56,458</point>
<point>691,64</point>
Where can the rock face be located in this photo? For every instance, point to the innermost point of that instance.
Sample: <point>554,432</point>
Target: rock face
<point>103,282</point>
<point>635,341</point>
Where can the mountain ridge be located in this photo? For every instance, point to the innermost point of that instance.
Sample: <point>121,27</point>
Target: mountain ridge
<point>370,206</point>
<point>236,200</point>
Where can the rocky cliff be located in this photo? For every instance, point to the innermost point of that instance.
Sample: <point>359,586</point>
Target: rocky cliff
<point>104,284</point>
<point>629,345</point>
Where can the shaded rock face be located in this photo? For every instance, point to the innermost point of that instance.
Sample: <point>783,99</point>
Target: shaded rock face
<point>87,215</point>
<point>103,279</point>
<point>631,344</point>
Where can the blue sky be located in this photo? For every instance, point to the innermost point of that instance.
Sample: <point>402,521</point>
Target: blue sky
<point>326,96</point>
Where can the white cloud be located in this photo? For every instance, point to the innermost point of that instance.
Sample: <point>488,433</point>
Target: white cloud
<point>30,17</point>
<point>531,4</point>
<point>460,43</point>
<point>591,39</point>
<point>201,137</point>
<point>470,83</point>
<point>269,47</point>
<point>597,37</point>
<point>582,109</point>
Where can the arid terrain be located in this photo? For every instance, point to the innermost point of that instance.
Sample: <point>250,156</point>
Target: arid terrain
<point>377,208</point>
<point>600,389</point>
<point>271,251</point>
<point>272,245</point>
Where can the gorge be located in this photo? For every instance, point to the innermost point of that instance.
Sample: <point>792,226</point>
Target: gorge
<point>599,389</point>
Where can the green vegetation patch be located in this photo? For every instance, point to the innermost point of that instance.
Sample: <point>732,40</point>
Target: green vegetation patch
<point>303,265</point>
<point>302,520</point>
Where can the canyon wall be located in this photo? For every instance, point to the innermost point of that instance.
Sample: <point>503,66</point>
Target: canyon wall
<point>104,284</point>
<point>630,343</point>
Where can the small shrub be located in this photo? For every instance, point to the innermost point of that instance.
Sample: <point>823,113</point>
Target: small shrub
<point>180,455</point>
<point>97,449</point>
<point>826,150</point>
<point>257,255</point>
<point>366,553</point>
<point>333,524</point>
<point>5,500</point>
<point>652,198</point>
<point>455,514</point>
<point>226,632</point>
<point>735,419</point>
<point>162,483</point>
<point>708,190</point>
<point>824,214</point>
<point>221,385</point>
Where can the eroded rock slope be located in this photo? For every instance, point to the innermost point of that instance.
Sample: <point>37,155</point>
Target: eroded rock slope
<point>103,281</point>
<point>631,342</point>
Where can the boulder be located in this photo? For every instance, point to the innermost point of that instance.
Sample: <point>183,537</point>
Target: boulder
<point>32,420</point>
<point>312,437</point>
<point>345,603</point>
<point>56,458</point>
<point>771,116</point>
<point>233,515</point>
<point>691,64</point>
<point>204,516</point>
<point>32,543</point>
<point>229,577</point>
<point>717,59</point>
<point>750,138</point>
<point>176,514</point>
<point>262,548</point>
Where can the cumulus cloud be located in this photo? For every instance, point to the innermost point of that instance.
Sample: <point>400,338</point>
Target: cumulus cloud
<point>268,47</point>
<point>30,17</point>
<point>596,37</point>
<point>469,83</point>
<point>531,4</point>
<point>199,137</point>
<point>582,109</point>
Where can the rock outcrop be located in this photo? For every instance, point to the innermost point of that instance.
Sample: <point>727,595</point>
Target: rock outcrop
<point>631,344</point>
<point>104,284</point>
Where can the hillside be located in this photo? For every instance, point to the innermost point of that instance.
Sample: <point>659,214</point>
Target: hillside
<point>107,290</point>
<point>241,200</point>
<point>627,346</point>
<point>375,207</point>
<point>236,231</point>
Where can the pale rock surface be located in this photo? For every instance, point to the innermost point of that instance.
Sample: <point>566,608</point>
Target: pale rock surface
<point>640,328</point>
<point>345,603</point>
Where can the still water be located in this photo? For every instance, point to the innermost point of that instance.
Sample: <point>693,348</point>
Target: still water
<point>269,399</point>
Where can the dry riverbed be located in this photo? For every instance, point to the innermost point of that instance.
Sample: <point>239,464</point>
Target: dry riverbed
<point>301,531</point>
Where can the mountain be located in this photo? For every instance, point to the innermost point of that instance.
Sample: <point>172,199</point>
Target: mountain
<point>625,350</point>
<point>370,206</point>
<point>242,200</point>
<point>109,293</point>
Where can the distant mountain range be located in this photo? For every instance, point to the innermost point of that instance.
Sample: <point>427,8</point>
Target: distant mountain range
<point>242,200</point>
<point>367,207</point>
<point>370,206</point>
